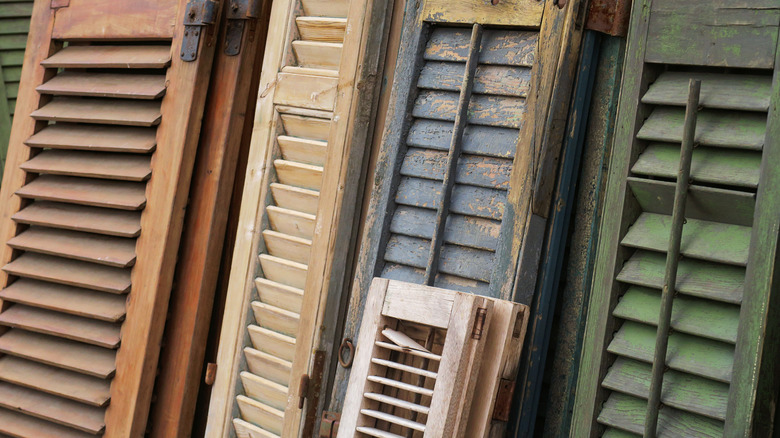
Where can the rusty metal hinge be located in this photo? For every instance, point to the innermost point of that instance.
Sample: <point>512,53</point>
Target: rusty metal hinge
<point>198,15</point>
<point>211,373</point>
<point>479,323</point>
<point>506,391</point>
<point>238,13</point>
<point>329,426</point>
<point>57,4</point>
<point>309,393</point>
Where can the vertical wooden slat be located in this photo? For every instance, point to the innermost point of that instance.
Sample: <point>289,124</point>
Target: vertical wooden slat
<point>672,258</point>
<point>461,119</point>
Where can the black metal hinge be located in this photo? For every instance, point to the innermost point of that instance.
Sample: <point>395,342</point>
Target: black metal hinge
<point>198,15</point>
<point>238,13</point>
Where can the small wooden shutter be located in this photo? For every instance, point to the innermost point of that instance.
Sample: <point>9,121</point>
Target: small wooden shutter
<point>468,113</point>
<point>710,375</point>
<point>416,362</point>
<point>430,362</point>
<point>313,118</point>
<point>14,24</point>
<point>93,198</point>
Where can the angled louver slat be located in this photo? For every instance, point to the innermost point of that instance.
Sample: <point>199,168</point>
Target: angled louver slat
<point>264,390</point>
<point>68,355</point>
<point>105,250</point>
<point>81,218</point>
<point>70,272</point>
<point>91,164</point>
<point>103,111</point>
<point>97,193</point>
<point>24,425</point>
<point>95,138</point>
<point>55,381</point>
<point>76,328</point>
<point>135,56</point>
<point>105,85</point>
<point>67,299</point>
<point>57,410</point>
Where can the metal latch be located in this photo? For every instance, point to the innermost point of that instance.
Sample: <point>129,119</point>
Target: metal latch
<point>506,391</point>
<point>198,15</point>
<point>479,323</point>
<point>329,426</point>
<point>239,11</point>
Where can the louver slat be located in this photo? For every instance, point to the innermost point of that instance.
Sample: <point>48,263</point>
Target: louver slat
<point>105,250</point>
<point>76,328</point>
<point>70,272</point>
<point>264,390</point>
<point>91,164</point>
<point>86,359</point>
<point>55,381</point>
<point>628,413</point>
<point>55,409</point>
<point>95,138</point>
<point>97,193</point>
<point>682,391</point>
<point>23,425</point>
<point>133,57</point>
<point>71,300</point>
<point>105,85</point>
<point>259,413</point>
<point>723,91</point>
<point>102,111</point>
<point>81,218</point>
<point>713,128</point>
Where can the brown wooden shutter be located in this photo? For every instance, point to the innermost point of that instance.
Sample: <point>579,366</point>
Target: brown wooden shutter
<point>314,108</point>
<point>93,198</point>
<point>430,362</point>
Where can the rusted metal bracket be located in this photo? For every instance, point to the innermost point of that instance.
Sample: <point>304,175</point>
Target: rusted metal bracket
<point>311,386</point>
<point>57,4</point>
<point>479,324</point>
<point>198,15</point>
<point>329,426</point>
<point>503,406</point>
<point>239,12</point>
<point>609,16</point>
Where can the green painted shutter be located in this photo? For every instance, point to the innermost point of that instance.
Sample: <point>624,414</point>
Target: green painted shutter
<point>14,23</point>
<point>717,339</point>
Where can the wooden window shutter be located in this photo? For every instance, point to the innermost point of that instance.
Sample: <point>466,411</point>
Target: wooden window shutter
<point>313,120</point>
<point>678,339</point>
<point>105,129</point>
<point>14,24</point>
<point>465,132</point>
<point>429,362</point>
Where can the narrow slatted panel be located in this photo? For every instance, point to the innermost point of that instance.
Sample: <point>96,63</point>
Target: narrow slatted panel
<point>303,150</point>
<point>60,353</point>
<point>105,250</point>
<point>91,164</point>
<point>295,198</point>
<point>272,342</point>
<point>23,425</point>
<point>328,29</point>
<point>460,230</point>
<point>298,174</point>
<point>316,54</point>
<point>268,367</point>
<point>276,319</point>
<point>81,218</point>
<point>291,222</point>
<point>265,416</point>
<point>55,381</point>
<point>105,85</point>
<point>279,295</point>
<point>724,91</point>
<point>90,331</point>
<point>102,111</point>
<point>283,271</point>
<point>264,390</point>
<point>287,247</point>
<point>713,128</point>
<point>66,299</point>
<point>95,138</point>
<point>55,409</point>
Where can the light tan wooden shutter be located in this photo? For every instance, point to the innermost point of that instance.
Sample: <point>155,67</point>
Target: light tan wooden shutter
<point>430,363</point>
<point>315,100</point>
<point>93,198</point>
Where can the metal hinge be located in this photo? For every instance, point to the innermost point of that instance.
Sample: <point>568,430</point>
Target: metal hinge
<point>309,393</point>
<point>239,11</point>
<point>57,4</point>
<point>506,391</point>
<point>198,15</point>
<point>479,323</point>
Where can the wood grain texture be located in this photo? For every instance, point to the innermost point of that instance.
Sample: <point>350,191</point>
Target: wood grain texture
<point>505,13</point>
<point>85,20</point>
<point>105,85</point>
<point>57,410</point>
<point>136,56</point>
<point>66,299</point>
<point>95,138</point>
<point>80,218</point>
<point>89,331</point>
<point>91,165</point>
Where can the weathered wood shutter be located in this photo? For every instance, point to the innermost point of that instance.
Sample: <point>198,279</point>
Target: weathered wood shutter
<point>93,198</point>
<point>466,132</point>
<point>14,24</point>
<point>713,379</point>
<point>424,355</point>
<point>314,107</point>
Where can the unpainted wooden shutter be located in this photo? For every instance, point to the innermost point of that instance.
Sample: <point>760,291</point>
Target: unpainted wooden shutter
<point>14,24</point>
<point>313,118</point>
<point>417,361</point>
<point>728,246</point>
<point>93,198</point>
